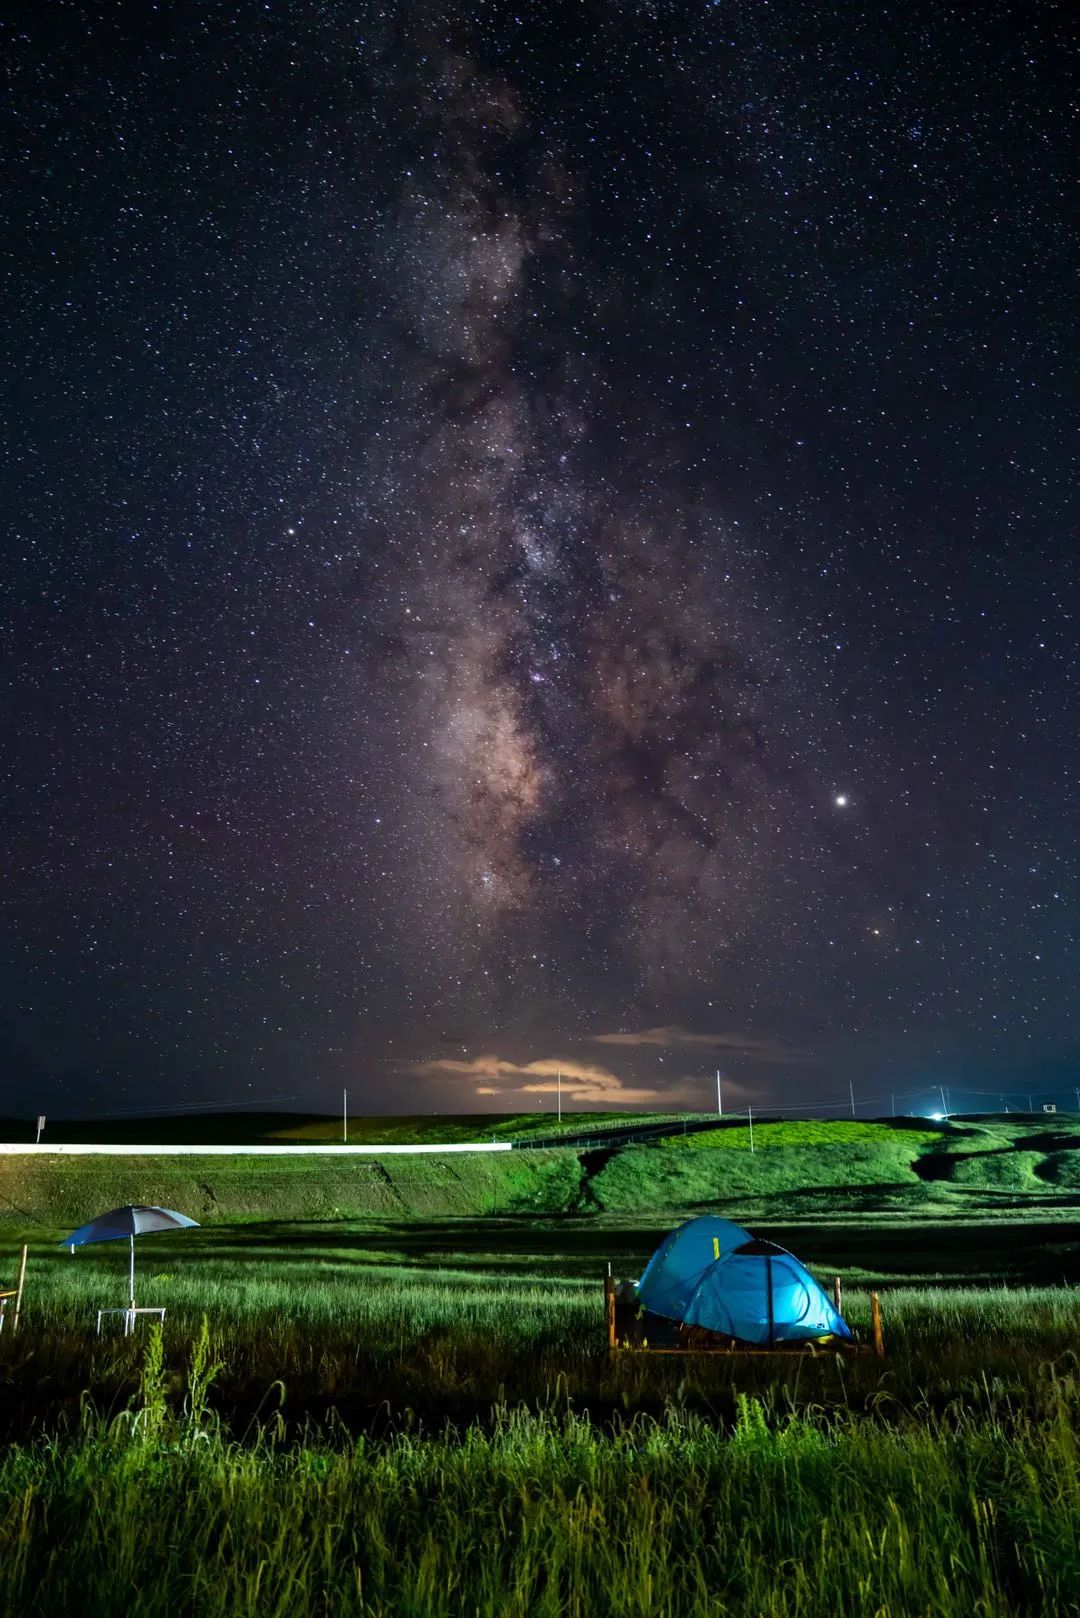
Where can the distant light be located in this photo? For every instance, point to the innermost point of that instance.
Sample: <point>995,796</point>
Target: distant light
<point>938,1117</point>
<point>841,800</point>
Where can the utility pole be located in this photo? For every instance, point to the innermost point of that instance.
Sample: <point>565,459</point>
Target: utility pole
<point>1030,1107</point>
<point>344,1117</point>
<point>560,1095</point>
<point>1076,1093</point>
<point>750,1121</point>
<point>944,1103</point>
<point>720,1110</point>
<point>851,1093</point>
<point>893,1100</point>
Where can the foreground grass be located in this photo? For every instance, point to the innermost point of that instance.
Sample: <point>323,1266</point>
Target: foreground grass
<point>423,1420</point>
<point>800,1515</point>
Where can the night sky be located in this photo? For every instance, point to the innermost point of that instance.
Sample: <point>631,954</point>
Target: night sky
<point>536,537</point>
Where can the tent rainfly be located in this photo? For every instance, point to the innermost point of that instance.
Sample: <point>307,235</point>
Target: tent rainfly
<point>713,1274</point>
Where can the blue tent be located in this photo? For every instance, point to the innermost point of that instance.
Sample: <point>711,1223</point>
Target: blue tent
<point>672,1275</point>
<point>713,1274</point>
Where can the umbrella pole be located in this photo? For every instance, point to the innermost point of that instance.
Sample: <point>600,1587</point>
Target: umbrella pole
<point>131,1272</point>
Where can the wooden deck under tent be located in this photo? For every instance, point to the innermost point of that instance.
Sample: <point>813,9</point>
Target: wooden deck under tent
<point>626,1334</point>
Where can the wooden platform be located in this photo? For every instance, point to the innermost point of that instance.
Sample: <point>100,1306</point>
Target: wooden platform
<point>799,1352</point>
<point>618,1343</point>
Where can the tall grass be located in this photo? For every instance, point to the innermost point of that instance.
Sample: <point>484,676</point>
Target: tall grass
<point>779,1515</point>
<point>382,1345</point>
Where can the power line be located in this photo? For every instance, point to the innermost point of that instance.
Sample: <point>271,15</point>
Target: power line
<point>181,1108</point>
<point>839,1105</point>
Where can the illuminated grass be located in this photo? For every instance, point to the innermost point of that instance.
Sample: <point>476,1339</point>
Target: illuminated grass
<point>776,1514</point>
<point>812,1164</point>
<point>799,1134</point>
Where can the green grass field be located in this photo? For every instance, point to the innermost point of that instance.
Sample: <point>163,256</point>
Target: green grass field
<point>404,1403</point>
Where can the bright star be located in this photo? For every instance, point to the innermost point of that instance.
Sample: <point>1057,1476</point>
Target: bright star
<point>841,800</point>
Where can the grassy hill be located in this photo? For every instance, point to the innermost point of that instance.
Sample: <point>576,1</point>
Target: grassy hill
<point>63,1191</point>
<point>798,1171</point>
<point>838,1168</point>
<point>789,1160</point>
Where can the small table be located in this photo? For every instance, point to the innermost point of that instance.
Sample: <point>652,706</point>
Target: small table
<point>129,1316</point>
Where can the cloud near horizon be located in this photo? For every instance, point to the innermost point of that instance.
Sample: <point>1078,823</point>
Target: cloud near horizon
<point>492,1075</point>
<point>672,1037</point>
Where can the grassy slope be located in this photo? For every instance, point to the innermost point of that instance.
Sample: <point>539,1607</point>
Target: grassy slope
<point>788,1160</point>
<point>816,1169</point>
<point>65,1191</point>
<point>798,1171</point>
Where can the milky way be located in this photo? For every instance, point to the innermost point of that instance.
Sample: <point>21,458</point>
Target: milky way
<point>541,540</point>
<point>602,744</point>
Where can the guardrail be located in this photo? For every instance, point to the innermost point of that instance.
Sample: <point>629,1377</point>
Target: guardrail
<point>619,1134</point>
<point>316,1149</point>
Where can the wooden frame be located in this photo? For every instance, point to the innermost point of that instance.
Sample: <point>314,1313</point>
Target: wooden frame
<point>806,1350</point>
<point>16,1293</point>
<point>734,1352</point>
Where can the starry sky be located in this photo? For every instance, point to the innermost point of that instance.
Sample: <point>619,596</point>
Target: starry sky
<point>539,537</point>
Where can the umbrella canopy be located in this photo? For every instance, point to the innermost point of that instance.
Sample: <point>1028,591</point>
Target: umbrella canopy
<point>121,1223</point>
<point>124,1224</point>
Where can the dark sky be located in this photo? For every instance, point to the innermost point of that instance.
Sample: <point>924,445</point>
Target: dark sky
<point>539,536</point>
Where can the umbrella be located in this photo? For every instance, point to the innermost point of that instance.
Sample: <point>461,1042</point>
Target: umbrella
<point>127,1223</point>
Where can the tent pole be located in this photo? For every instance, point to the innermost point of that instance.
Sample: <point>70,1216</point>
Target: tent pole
<point>768,1289</point>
